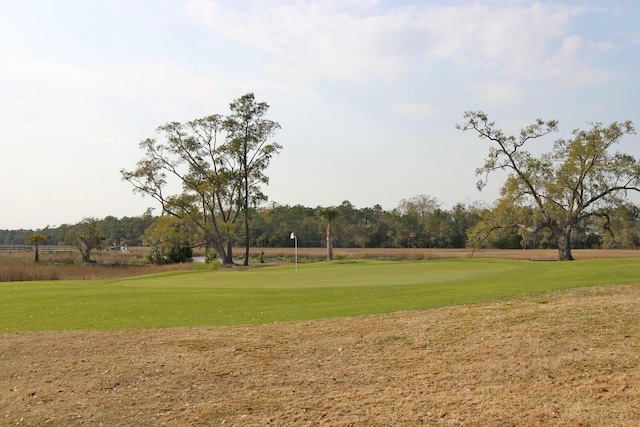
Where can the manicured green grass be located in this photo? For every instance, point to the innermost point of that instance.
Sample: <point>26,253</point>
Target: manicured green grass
<point>261,295</point>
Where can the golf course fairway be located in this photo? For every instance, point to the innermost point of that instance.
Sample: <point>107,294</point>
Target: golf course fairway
<point>279,293</point>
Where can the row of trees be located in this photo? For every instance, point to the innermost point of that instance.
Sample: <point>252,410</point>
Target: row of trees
<point>417,222</point>
<point>114,231</point>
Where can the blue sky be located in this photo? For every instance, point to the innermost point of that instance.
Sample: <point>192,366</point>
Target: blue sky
<point>367,92</point>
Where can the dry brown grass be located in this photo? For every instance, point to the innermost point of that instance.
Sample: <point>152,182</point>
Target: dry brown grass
<point>564,359</point>
<point>20,266</point>
<point>427,254</point>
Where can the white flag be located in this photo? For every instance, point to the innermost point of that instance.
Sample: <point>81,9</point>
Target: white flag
<point>293,235</point>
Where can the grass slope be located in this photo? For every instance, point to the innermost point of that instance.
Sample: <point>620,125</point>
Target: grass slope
<point>264,295</point>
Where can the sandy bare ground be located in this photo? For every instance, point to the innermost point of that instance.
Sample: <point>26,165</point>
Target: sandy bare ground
<point>567,359</point>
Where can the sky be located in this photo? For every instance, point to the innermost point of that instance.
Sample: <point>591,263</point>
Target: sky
<point>367,92</point>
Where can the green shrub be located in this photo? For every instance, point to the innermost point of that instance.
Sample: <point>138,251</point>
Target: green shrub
<point>213,264</point>
<point>178,254</point>
<point>210,257</point>
<point>155,257</point>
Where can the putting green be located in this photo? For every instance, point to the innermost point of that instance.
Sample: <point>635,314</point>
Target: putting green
<point>261,295</point>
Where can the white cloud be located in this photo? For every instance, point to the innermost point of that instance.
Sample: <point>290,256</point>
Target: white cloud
<point>89,99</point>
<point>568,66</point>
<point>365,40</point>
<point>413,111</point>
<point>510,40</point>
<point>328,40</point>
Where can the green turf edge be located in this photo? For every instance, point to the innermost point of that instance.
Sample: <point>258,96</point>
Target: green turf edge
<point>276,294</point>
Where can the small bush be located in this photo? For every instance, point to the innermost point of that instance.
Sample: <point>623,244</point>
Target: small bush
<point>206,266</point>
<point>211,257</point>
<point>180,254</point>
<point>155,257</point>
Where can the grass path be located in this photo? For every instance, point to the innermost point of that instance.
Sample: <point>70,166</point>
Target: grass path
<point>273,294</point>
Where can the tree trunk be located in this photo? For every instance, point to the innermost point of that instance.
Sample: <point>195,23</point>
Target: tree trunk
<point>245,169</point>
<point>564,245</point>
<point>37,253</point>
<point>246,237</point>
<point>329,243</point>
<point>225,255</point>
<point>228,259</point>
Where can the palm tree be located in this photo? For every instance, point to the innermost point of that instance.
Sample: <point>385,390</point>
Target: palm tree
<point>35,239</point>
<point>330,214</point>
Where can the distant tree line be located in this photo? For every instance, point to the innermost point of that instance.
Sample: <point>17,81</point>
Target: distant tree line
<point>113,231</point>
<point>418,222</point>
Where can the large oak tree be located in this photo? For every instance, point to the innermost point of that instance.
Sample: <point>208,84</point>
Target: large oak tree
<point>579,179</point>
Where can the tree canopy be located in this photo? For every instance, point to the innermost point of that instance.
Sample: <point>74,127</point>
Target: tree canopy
<point>219,163</point>
<point>86,237</point>
<point>581,179</point>
<point>248,135</point>
<point>35,239</point>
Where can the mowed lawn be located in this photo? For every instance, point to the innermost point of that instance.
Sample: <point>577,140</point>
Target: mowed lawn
<point>282,293</point>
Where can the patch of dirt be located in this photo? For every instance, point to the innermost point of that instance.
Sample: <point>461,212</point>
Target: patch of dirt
<point>566,359</point>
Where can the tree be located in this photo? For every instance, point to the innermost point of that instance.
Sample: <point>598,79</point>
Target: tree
<point>329,214</point>
<point>374,225</point>
<point>490,232</point>
<point>36,239</point>
<point>192,155</point>
<point>247,145</point>
<point>624,227</point>
<point>85,237</point>
<point>578,180</point>
<point>463,218</point>
<point>420,206</point>
<point>220,177</point>
<point>169,238</point>
<point>273,224</point>
<point>420,216</point>
<point>111,228</point>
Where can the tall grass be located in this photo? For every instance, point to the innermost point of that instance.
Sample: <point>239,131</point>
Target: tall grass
<point>415,254</point>
<point>20,266</point>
